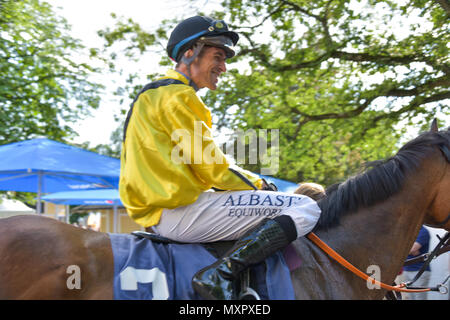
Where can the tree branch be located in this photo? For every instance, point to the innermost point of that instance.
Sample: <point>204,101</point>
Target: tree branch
<point>443,81</point>
<point>347,56</point>
<point>342,115</point>
<point>278,9</point>
<point>366,57</point>
<point>416,102</point>
<point>333,115</point>
<point>296,7</point>
<point>445,4</point>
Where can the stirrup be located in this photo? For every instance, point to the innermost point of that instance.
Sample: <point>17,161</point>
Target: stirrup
<point>247,293</point>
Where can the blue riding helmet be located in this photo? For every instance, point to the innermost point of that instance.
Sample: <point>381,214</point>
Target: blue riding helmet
<point>204,29</point>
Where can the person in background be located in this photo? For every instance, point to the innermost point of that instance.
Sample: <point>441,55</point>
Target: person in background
<point>420,246</point>
<point>313,190</point>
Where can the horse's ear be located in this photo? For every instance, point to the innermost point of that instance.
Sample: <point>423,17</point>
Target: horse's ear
<point>434,126</point>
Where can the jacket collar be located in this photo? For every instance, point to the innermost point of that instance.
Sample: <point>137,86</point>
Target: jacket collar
<point>178,75</point>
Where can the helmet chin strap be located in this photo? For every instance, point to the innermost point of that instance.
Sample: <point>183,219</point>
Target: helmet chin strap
<point>188,61</point>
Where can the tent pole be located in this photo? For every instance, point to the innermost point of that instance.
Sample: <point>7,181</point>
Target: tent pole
<point>39,203</point>
<point>67,207</point>
<point>115,222</point>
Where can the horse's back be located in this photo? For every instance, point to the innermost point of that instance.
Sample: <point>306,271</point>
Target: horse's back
<point>41,258</point>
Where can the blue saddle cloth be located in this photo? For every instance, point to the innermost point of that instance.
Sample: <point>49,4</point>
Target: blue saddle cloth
<point>147,270</point>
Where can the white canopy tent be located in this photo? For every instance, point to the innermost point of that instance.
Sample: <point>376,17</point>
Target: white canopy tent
<point>9,207</point>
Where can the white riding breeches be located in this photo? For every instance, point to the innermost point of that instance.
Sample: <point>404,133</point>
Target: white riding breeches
<point>227,215</point>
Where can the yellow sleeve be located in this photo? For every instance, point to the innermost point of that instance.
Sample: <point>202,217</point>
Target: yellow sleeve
<point>194,145</point>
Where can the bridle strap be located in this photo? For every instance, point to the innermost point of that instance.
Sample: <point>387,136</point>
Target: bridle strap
<point>333,254</point>
<point>430,257</point>
<point>424,257</point>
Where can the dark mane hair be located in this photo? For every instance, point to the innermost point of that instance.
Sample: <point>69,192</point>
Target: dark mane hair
<point>381,179</point>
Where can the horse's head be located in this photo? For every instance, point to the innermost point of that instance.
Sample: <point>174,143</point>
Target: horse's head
<point>438,214</point>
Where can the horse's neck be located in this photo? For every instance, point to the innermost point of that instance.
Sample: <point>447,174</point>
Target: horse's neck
<point>375,238</point>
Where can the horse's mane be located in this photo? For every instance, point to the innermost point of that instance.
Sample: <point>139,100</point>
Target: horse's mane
<point>380,180</point>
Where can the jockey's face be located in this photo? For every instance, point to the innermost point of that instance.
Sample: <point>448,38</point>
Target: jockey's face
<point>207,67</point>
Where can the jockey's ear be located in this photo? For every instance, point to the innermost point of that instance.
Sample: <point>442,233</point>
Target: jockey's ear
<point>434,126</point>
<point>188,53</point>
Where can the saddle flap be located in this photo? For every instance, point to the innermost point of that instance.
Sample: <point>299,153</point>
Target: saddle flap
<point>217,249</point>
<point>154,237</point>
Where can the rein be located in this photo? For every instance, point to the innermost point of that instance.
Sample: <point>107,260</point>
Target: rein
<point>398,288</point>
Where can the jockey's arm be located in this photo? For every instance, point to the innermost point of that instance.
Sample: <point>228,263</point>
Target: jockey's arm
<point>205,158</point>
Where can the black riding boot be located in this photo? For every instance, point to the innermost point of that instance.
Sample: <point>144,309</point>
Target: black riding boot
<point>215,282</point>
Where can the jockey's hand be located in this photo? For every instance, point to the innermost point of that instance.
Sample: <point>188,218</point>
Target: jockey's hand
<point>268,186</point>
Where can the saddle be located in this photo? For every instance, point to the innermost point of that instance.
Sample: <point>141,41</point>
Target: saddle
<point>217,249</point>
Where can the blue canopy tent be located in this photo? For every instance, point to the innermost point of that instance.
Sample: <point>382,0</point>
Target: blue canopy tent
<point>45,166</point>
<point>102,197</point>
<point>107,197</point>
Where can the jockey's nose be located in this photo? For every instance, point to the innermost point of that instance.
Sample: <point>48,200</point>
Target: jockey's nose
<point>223,66</point>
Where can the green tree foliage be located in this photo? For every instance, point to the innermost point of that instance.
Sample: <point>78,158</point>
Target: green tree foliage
<point>42,86</point>
<point>334,76</point>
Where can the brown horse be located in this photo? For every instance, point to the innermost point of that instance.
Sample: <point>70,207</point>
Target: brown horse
<point>371,219</point>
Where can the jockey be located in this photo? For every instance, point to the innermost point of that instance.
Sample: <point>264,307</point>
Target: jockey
<point>170,163</point>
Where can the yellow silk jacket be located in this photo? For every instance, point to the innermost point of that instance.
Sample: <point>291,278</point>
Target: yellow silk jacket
<point>168,155</point>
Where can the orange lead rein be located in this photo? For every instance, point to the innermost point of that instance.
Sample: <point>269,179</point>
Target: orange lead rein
<point>322,245</point>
